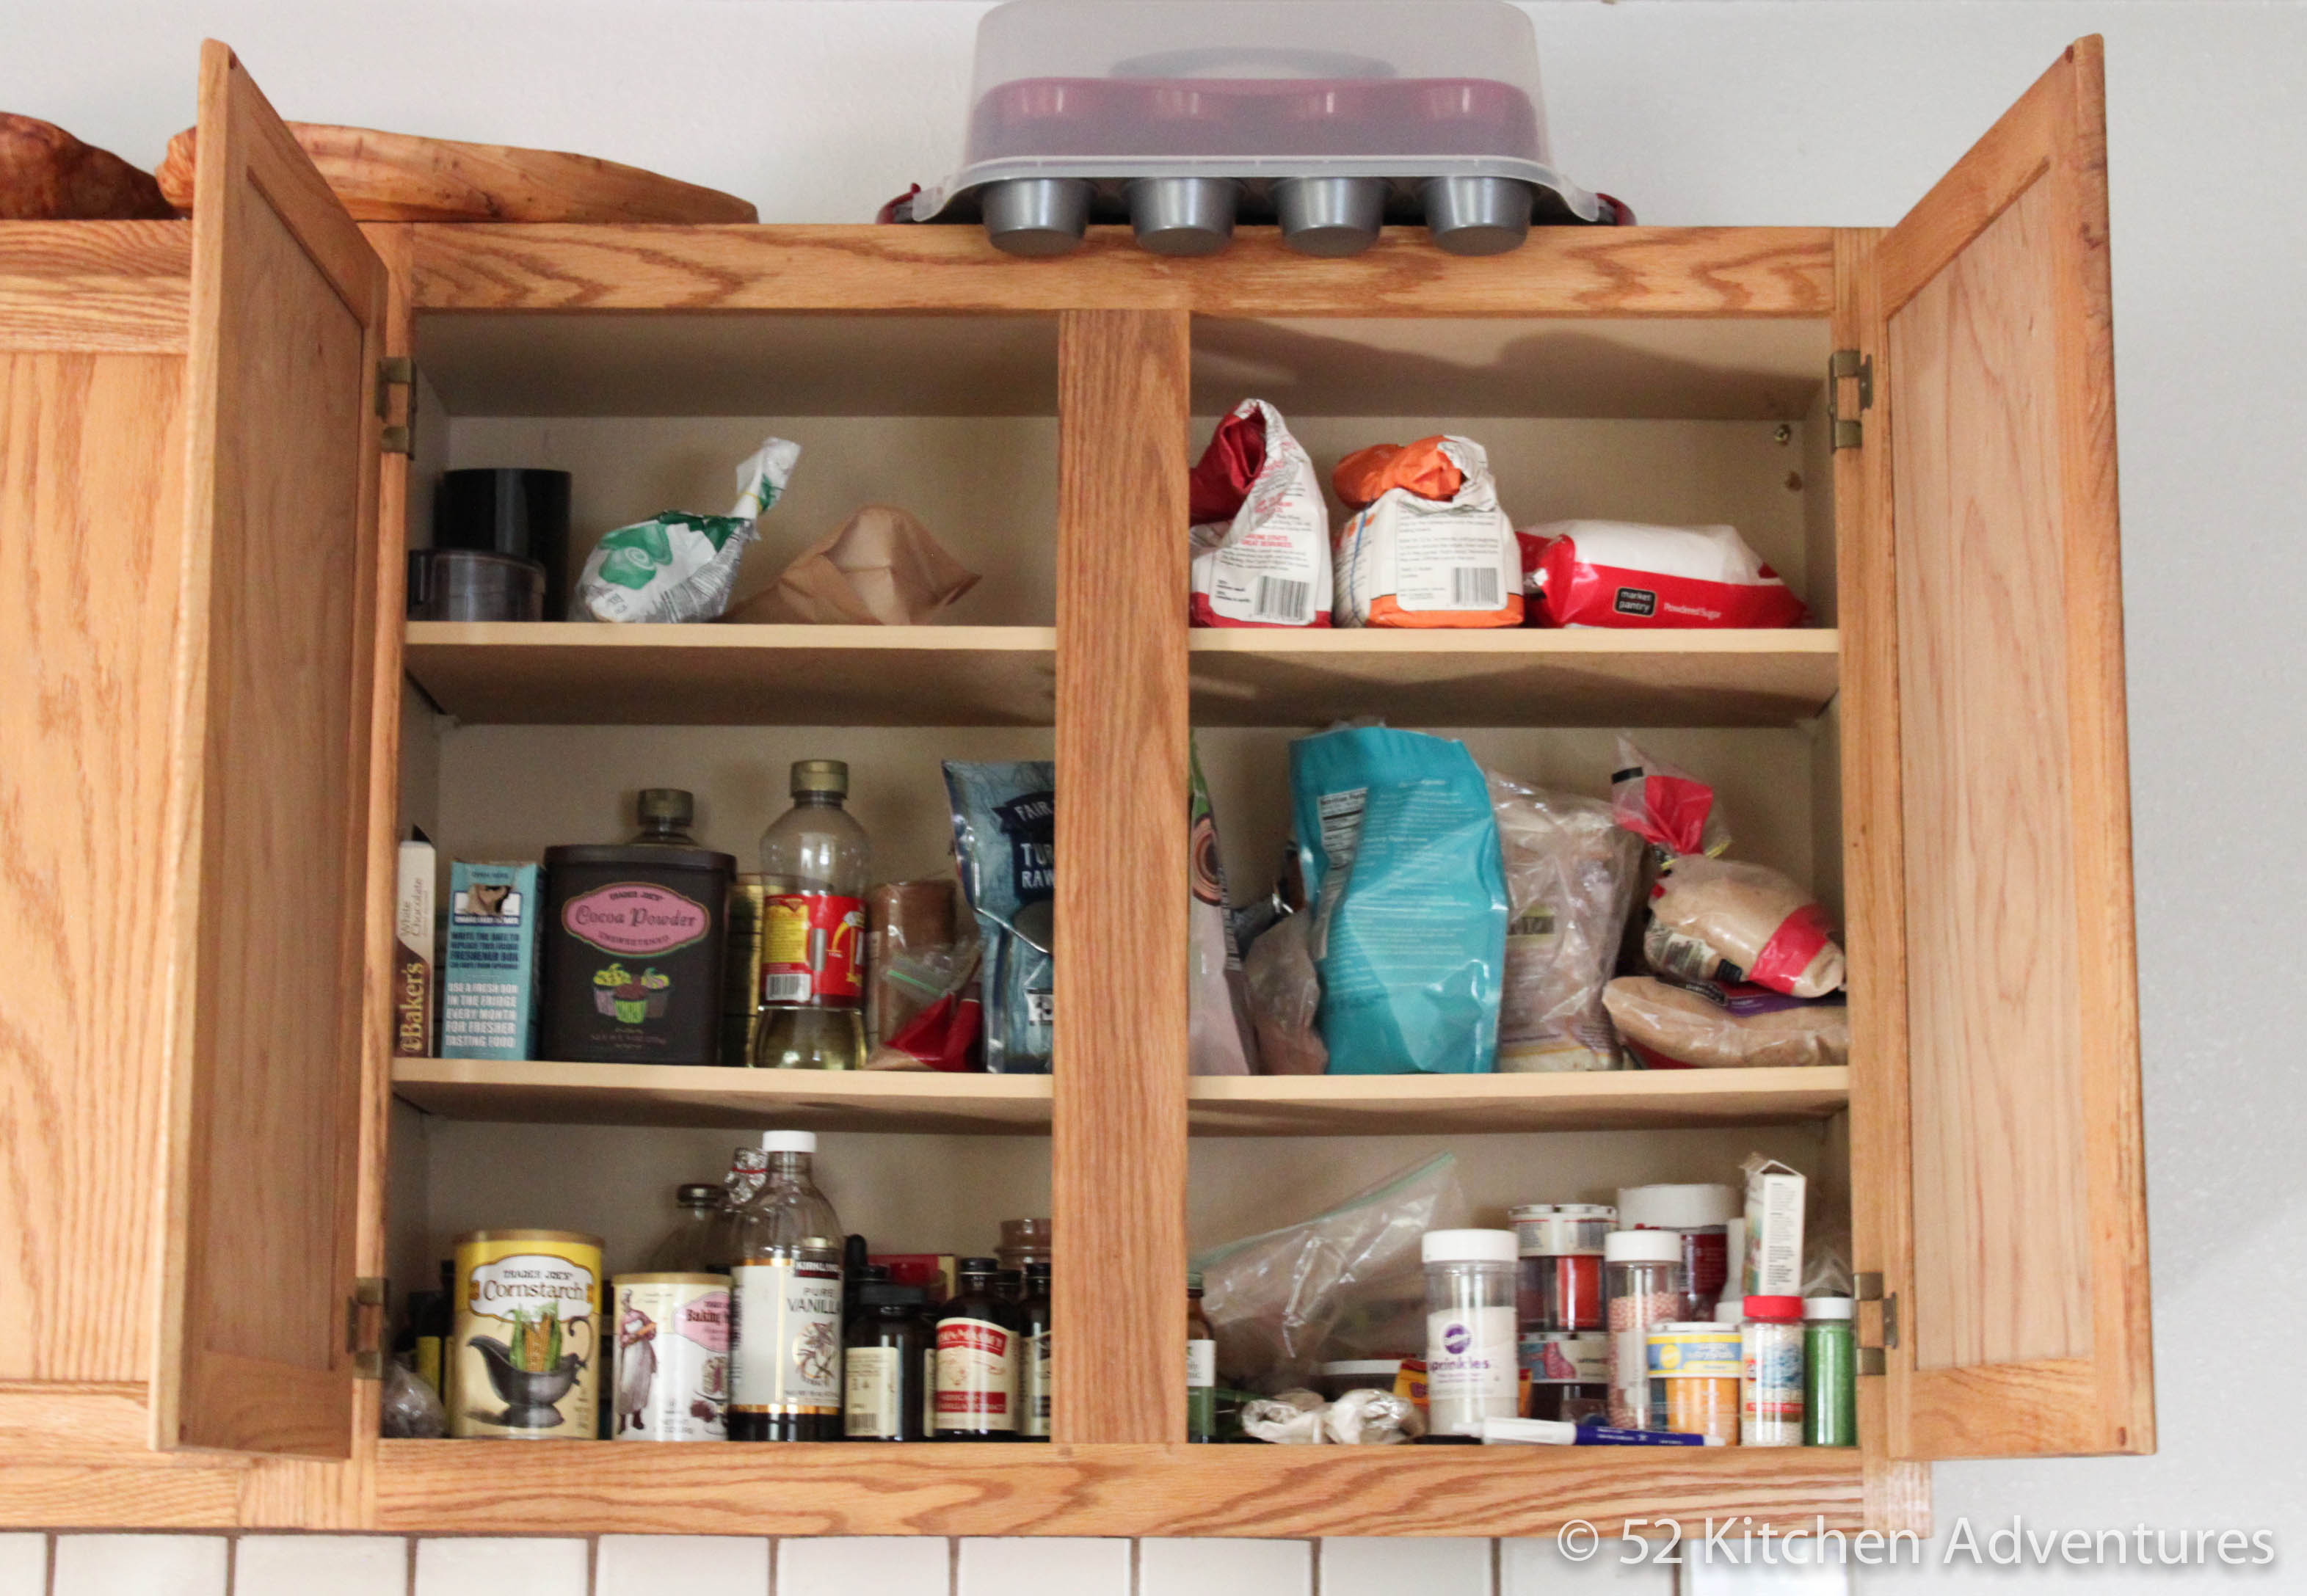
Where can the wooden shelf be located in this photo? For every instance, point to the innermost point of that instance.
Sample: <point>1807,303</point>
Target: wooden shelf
<point>726,1489</point>
<point>1521,676</point>
<point>535,1092</point>
<point>1470,1104</point>
<point>592,673</point>
<point>1019,1105</point>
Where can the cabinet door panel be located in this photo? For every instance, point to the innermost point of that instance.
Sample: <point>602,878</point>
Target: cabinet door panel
<point>271,823</point>
<point>2019,1261</point>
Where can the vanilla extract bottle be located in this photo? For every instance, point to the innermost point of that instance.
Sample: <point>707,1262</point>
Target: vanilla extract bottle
<point>784,1354</point>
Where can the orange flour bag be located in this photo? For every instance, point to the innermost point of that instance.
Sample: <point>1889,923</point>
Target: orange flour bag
<point>1427,545</point>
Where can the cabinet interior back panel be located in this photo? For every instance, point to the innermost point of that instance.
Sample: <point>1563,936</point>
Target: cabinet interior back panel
<point>510,792</point>
<point>986,486</point>
<point>2002,1241</point>
<point>903,1193</point>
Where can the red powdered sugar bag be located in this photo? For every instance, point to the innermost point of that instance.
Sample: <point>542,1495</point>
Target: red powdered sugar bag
<point>1260,532</point>
<point>1622,574</point>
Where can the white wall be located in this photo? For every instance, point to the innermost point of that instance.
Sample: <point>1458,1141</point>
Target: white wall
<point>1830,111</point>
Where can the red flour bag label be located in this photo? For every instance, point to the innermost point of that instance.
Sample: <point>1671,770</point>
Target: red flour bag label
<point>1621,573</point>
<point>813,949</point>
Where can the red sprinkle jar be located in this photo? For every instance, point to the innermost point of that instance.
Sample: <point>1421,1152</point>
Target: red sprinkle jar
<point>1559,1286</point>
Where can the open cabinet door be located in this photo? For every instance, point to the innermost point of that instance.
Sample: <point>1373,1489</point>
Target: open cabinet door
<point>2002,1083</point>
<point>269,806</point>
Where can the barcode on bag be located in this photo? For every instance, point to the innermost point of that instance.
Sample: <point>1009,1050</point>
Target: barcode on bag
<point>1474,585</point>
<point>1281,599</point>
<point>778,989</point>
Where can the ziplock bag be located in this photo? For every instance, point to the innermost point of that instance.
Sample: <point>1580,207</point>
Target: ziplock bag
<point>1400,852</point>
<point>1004,826</point>
<point>675,565</point>
<point>1217,1008</point>
<point>1571,876</point>
<point>1346,1281</point>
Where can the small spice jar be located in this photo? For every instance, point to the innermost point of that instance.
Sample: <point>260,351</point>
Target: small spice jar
<point>1561,1270</point>
<point>1694,1368</point>
<point>1770,1372</point>
<point>1829,1372</point>
<point>1702,1217</point>
<point>1471,1371</point>
<point>1644,1282</point>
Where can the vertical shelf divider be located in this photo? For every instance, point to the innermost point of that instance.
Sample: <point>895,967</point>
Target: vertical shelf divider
<point>1118,1136</point>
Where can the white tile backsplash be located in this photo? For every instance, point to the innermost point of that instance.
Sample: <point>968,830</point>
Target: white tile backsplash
<point>1704,1576</point>
<point>1056,1565</point>
<point>1218,1567</point>
<point>491,1567</point>
<point>140,1565</point>
<point>682,1566</point>
<point>24,1565</point>
<point>1390,1565</point>
<point>866,1565</point>
<point>1537,1567</point>
<point>303,1565</point>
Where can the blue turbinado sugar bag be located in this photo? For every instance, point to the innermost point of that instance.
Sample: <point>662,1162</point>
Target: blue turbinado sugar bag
<point>1004,845</point>
<point>1399,850</point>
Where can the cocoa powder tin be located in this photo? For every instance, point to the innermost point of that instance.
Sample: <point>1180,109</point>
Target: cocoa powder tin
<point>635,940</point>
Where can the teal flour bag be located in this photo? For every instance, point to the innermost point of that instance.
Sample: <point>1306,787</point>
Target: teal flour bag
<point>1399,850</point>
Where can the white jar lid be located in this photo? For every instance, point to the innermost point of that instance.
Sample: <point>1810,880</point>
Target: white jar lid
<point>1642,1247</point>
<point>1730,1310</point>
<point>1830,1307</point>
<point>789,1142</point>
<point>1563,1210</point>
<point>1470,1246</point>
<point>1676,1208</point>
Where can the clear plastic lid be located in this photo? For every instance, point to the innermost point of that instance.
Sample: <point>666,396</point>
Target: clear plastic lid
<point>1252,88</point>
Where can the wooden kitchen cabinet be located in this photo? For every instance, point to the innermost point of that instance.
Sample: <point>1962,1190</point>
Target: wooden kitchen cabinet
<point>218,724</point>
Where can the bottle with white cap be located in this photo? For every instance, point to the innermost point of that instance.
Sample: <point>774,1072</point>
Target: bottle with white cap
<point>784,1351</point>
<point>1644,1283</point>
<point>1471,1365</point>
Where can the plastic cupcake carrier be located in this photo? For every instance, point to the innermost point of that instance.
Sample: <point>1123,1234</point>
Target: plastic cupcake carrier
<point>1330,117</point>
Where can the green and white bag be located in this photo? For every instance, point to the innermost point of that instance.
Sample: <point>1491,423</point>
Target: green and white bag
<point>679,566</point>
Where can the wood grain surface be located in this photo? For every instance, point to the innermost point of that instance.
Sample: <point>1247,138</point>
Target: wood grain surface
<point>1561,271</point>
<point>1489,1105</point>
<point>1117,1150</point>
<point>1519,677</point>
<point>90,288</point>
<point>596,673</point>
<point>269,841</point>
<point>583,1486</point>
<point>402,177</point>
<point>92,524</point>
<point>2026,1324</point>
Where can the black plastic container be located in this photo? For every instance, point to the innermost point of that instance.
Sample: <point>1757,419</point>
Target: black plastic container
<point>510,511</point>
<point>635,941</point>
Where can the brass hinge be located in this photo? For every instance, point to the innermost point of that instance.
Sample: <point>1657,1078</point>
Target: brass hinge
<point>1845,365</point>
<point>1868,1288</point>
<point>397,371</point>
<point>365,1327</point>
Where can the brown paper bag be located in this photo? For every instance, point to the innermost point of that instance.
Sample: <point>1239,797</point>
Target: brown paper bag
<point>880,567</point>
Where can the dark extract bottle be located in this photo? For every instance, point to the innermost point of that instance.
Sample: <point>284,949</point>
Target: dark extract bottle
<point>890,1340</point>
<point>1034,1355</point>
<point>977,1356</point>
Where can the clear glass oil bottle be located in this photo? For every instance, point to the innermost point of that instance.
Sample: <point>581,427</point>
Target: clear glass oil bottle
<point>816,862</point>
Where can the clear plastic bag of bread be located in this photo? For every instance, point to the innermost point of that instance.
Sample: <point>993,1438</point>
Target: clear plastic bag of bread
<point>1571,873</point>
<point>1427,545</point>
<point>1713,1026</point>
<point>1726,920</point>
